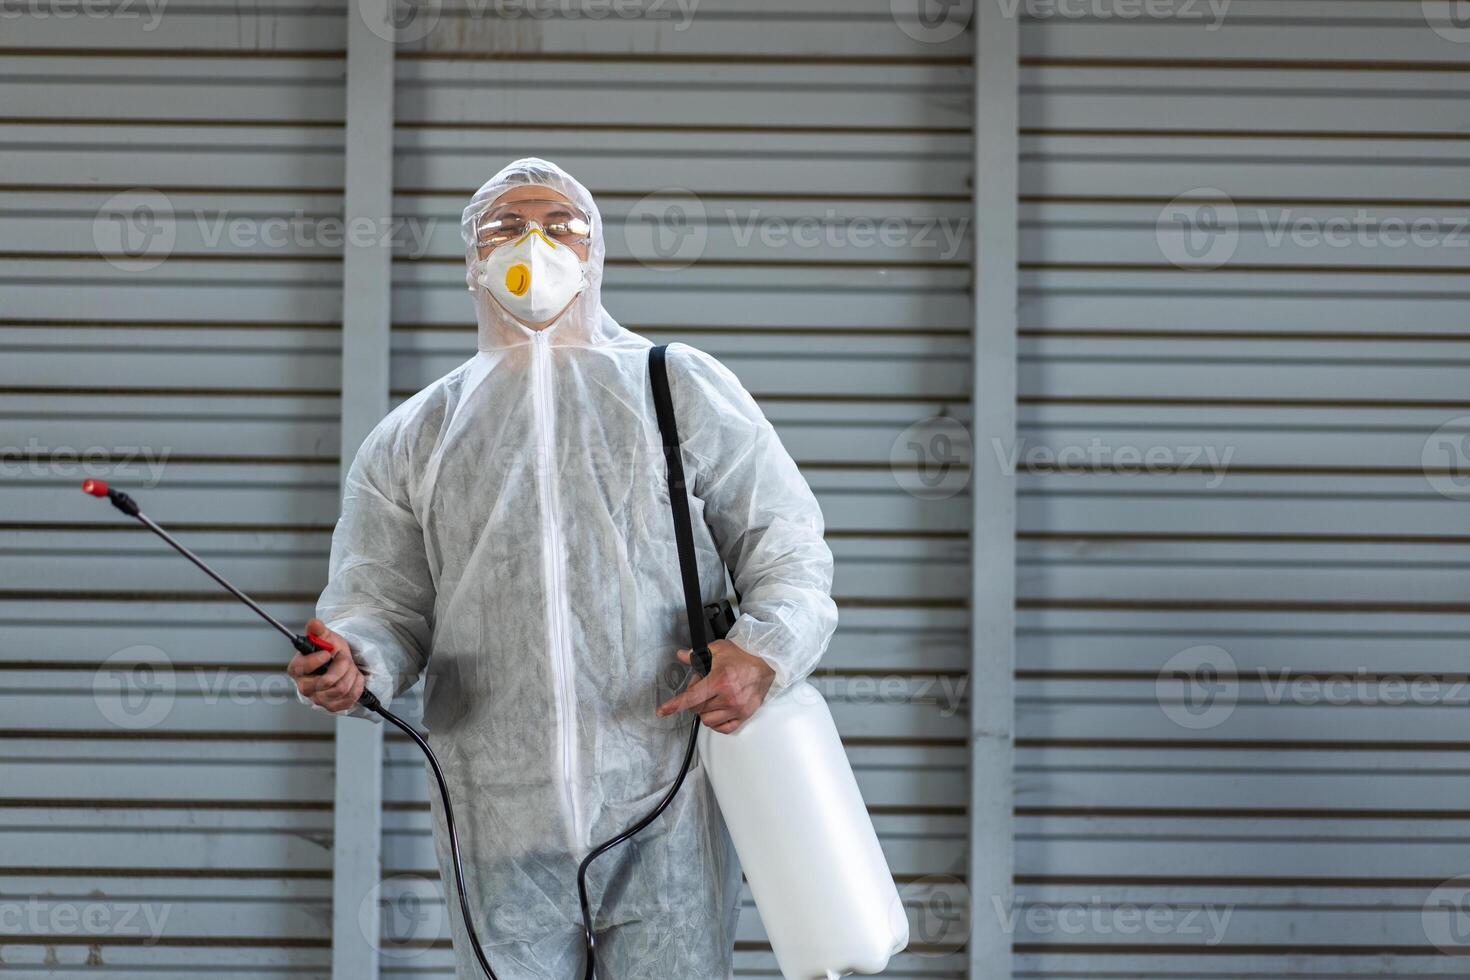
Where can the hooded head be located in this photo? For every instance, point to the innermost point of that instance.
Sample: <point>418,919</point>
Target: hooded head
<point>584,320</point>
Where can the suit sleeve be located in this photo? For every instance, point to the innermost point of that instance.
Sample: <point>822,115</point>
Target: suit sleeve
<point>380,591</point>
<point>765,520</point>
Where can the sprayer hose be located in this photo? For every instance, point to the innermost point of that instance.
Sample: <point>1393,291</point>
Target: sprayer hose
<point>589,937</point>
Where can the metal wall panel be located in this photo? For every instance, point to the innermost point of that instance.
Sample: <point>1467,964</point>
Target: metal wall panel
<point>819,112</point>
<point>175,817</point>
<point>1289,534</point>
<point>188,801</point>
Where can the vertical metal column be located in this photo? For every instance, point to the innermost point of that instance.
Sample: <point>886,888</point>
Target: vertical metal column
<point>993,489</point>
<point>367,208</point>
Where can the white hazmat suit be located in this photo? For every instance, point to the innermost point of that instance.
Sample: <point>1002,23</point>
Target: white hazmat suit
<point>507,532</point>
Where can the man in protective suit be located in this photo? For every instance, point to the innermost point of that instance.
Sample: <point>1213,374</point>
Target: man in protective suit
<point>507,532</point>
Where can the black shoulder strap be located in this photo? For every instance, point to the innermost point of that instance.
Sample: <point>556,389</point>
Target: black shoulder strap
<point>668,427</point>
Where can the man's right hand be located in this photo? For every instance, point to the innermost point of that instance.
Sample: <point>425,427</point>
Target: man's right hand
<point>339,688</point>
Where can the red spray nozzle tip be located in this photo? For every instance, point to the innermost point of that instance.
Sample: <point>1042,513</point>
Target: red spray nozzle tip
<point>95,487</point>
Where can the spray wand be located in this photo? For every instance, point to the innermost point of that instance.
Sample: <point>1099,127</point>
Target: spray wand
<point>304,643</point>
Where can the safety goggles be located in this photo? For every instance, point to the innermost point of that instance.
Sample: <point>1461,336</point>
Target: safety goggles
<point>564,223</point>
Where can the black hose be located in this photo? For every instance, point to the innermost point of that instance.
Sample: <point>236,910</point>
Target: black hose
<point>589,937</point>
<point>371,702</point>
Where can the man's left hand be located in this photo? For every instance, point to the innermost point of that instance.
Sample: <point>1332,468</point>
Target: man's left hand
<point>734,688</point>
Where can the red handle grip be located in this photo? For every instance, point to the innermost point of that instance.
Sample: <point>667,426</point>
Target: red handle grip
<point>320,644</point>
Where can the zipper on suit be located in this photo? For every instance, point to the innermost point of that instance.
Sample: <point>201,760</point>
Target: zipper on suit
<point>554,568</point>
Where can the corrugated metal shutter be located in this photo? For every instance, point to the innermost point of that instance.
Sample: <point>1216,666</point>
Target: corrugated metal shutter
<point>1321,550</point>
<point>188,803</point>
<point>818,110</point>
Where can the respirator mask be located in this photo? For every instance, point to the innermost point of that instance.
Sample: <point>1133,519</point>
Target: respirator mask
<point>532,271</point>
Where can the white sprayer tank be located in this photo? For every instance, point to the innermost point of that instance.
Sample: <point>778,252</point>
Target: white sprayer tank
<point>798,821</point>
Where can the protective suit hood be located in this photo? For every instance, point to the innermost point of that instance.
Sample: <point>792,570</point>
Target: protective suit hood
<point>585,322</point>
